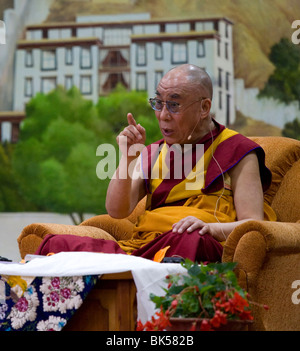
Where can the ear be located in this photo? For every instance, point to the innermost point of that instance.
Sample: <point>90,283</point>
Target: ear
<point>205,108</point>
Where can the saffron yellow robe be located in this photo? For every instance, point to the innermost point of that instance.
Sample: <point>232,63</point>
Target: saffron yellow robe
<point>216,205</point>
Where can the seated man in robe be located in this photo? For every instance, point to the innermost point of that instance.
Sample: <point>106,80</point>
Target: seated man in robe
<point>187,217</point>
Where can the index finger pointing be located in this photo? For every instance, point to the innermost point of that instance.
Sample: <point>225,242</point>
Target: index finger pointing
<point>131,120</point>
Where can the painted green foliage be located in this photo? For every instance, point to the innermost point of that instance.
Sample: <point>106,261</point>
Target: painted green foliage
<point>54,162</point>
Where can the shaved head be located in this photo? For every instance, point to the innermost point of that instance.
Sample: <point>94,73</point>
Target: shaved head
<point>189,89</point>
<point>197,77</point>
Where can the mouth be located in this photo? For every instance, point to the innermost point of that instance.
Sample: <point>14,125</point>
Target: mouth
<point>167,132</point>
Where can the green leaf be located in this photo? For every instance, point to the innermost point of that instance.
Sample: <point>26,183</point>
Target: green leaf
<point>194,270</point>
<point>174,289</point>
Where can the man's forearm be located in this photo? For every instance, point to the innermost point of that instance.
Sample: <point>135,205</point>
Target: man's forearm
<point>120,197</point>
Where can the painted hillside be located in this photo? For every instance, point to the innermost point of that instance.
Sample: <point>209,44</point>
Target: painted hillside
<point>258,24</point>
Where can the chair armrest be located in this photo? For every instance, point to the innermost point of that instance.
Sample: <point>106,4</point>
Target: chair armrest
<point>268,262</point>
<point>251,242</point>
<point>32,235</point>
<point>279,237</point>
<point>120,229</point>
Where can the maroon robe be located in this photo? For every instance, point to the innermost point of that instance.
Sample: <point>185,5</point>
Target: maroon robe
<point>196,247</point>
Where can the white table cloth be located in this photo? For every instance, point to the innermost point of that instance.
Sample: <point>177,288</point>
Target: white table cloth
<point>148,276</point>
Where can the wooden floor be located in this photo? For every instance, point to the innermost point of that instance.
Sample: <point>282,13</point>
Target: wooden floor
<point>110,306</point>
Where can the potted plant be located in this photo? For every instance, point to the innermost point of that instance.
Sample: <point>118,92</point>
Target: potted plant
<point>207,297</point>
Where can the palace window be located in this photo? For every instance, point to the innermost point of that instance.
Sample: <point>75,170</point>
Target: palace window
<point>179,53</point>
<point>68,82</point>
<point>28,58</point>
<point>86,85</point>
<point>141,55</point>
<point>28,87</point>
<point>48,60</point>
<point>201,49</point>
<point>69,56</point>
<point>85,58</point>
<point>141,82</point>
<point>48,84</point>
<point>158,51</point>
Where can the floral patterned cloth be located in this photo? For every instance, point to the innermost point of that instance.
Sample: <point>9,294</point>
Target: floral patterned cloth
<point>41,303</point>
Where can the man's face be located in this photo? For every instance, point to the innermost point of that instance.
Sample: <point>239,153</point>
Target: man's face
<point>177,127</point>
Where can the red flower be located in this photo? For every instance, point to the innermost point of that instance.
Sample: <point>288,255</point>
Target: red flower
<point>193,327</point>
<point>55,282</point>
<point>239,302</point>
<point>218,319</point>
<point>246,315</point>
<point>234,305</point>
<point>54,296</point>
<point>139,326</point>
<point>174,303</point>
<point>205,326</point>
<point>66,293</point>
<point>155,324</point>
<point>22,304</point>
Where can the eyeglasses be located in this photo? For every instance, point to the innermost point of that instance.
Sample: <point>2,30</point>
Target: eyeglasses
<point>172,106</point>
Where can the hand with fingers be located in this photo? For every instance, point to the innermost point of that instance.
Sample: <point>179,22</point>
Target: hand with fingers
<point>191,224</point>
<point>133,134</point>
<point>126,187</point>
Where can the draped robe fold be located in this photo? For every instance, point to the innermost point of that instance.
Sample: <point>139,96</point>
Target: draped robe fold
<point>181,182</point>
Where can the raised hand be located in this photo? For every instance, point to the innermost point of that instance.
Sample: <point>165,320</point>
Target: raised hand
<point>133,134</point>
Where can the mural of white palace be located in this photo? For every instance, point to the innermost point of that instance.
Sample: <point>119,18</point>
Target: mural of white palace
<point>95,53</point>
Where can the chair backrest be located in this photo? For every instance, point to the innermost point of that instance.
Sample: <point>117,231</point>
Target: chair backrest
<point>283,159</point>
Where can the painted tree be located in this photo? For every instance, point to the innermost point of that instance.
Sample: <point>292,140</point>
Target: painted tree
<point>114,108</point>
<point>292,129</point>
<point>55,161</point>
<point>10,197</point>
<point>284,83</point>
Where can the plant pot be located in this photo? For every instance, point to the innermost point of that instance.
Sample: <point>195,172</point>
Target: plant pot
<point>185,324</point>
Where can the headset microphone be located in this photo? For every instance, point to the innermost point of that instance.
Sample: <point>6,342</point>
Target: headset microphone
<point>190,136</point>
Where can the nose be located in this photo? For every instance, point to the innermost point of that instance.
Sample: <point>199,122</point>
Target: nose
<point>164,114</point>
